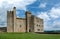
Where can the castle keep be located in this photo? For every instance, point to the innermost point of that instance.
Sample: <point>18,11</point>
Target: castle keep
<point>30,23</point>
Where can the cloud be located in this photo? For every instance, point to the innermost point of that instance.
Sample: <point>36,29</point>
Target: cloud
<point>55,12</point>
<point>3,16</point>
<point>20,4</point>
<point>44,16</point>
<point>51,18</point>
<point>56,24</point>
<point>8,5</point>
<point>42,5</point>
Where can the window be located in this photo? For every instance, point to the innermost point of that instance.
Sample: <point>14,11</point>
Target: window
<point>39,25</point>
<point>38,29</point>
<point>20,25</point>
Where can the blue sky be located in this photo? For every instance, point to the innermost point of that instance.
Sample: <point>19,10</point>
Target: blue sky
<point>49,10</point>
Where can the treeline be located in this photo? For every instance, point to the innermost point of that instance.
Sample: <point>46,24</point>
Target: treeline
<point>50,32</point>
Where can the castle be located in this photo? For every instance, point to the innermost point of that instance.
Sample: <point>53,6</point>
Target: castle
<point>30,23</point>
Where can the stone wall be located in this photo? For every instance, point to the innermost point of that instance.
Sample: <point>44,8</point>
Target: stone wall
<point>38,24</point>
<point>21,24</point>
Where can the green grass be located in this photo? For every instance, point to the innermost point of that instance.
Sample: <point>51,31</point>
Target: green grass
<point>28,36</point>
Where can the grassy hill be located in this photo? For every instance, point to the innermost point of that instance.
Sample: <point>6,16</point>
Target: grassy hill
<point>28,36</point>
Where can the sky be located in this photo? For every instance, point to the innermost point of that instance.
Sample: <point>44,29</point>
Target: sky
<point>48,10</point>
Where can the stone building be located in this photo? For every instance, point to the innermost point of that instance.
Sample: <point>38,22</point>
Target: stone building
<point>30,23</point>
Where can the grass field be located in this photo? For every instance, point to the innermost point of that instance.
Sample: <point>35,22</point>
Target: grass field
<point>28,36</point>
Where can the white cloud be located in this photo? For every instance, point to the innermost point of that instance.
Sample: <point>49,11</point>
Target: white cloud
<point>42,5</point>
<point>9,4</point>
<point>17,14</point>
<point>51,16</point>
<point>56,24</point>
<point>20,4</point>
<point>55,12</point>
<point>44,16</point>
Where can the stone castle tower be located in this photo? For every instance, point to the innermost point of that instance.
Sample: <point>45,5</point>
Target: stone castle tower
<point>11,20</point>
<point>30,23</point>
